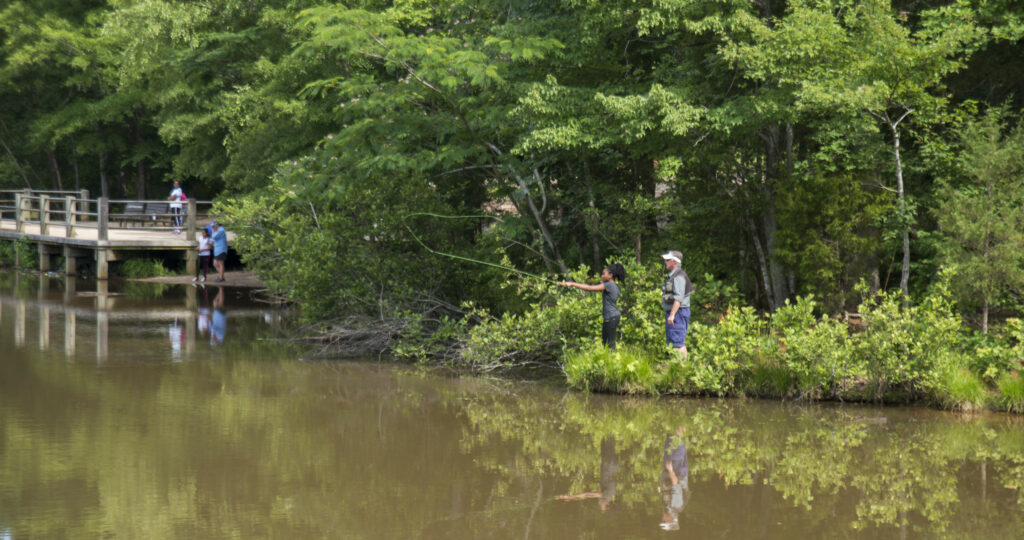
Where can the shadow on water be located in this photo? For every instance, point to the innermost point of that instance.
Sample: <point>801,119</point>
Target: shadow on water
<point>184,422</point>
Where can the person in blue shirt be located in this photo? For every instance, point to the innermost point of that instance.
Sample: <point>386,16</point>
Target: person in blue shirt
<point>220,250</point>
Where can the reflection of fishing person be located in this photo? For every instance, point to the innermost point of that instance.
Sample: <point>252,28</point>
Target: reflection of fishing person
<point>219,322</point>
<point>675,301</point>
<point>674,480</point>
<point>610,295</point>
<point>609,470</point>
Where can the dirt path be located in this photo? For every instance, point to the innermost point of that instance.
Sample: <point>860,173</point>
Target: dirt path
<point>231,279</point>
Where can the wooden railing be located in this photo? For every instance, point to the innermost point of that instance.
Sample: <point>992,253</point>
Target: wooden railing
<point>74,210</point>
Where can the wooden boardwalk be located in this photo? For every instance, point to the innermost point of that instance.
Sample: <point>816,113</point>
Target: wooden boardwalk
<point>76,227</point>
<point>87,236</point>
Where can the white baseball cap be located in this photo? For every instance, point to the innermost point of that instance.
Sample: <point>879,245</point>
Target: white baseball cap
<point>673,256</point>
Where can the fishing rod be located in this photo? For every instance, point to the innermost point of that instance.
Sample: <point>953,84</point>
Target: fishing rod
<point>459,257</point>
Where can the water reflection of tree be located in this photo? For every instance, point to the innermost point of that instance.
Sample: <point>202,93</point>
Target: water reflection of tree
<point>846,471</point>
<point>271,448</point>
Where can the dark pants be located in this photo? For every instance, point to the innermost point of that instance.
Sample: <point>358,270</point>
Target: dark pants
<point>608,329</point>
<point>204,263</point>
<point>176,218</point>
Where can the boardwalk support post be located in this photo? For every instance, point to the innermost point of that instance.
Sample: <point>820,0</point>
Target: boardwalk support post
<point>44,257</point>
<point>70,261</point>
<point>190,235</point>
<point>102,263</point>
<point>44,215</point>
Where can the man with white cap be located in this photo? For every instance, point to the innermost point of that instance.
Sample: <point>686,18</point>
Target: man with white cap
<point>675,301</point>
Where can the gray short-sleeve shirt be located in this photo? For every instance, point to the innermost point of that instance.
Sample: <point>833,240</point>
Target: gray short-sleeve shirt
<point>609,309</point>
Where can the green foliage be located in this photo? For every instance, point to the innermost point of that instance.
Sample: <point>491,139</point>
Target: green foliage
<point>557,319</point>
<point>1011,389</point>
<point>7,253</point>
<point>27,253</point>
<point>142,268</point>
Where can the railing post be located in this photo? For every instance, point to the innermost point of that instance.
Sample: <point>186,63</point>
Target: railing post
<point>17,211</point>
<point>69,217</point>
<point>102,215</point>
<point>44,214</point>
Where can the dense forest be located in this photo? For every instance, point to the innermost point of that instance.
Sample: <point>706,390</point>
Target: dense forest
<point>837,154</point>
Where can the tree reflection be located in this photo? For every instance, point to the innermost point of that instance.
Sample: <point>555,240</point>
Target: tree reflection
<point>278,448</point>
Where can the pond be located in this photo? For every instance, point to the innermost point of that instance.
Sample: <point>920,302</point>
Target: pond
<point>140,411</point>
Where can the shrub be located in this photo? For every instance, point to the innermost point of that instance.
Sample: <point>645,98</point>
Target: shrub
<point>140,268</point>
<point>6,253</point>
<point>815,353</point>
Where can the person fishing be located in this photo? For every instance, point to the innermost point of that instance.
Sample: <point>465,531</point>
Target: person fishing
<point>611,275</point>
<point>675,301</point>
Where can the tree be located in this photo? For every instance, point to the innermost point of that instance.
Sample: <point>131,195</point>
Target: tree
<point>981,214</point>
<point>867,60</point>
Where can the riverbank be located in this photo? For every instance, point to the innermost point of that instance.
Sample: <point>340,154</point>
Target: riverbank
<point>231,279</point>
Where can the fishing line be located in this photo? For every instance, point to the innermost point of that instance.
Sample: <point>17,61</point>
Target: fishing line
<point>459,257</point>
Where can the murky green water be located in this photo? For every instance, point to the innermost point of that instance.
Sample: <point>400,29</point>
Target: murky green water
<point>173,413</point>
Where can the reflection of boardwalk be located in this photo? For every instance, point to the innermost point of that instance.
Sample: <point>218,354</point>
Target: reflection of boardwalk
<point>88,316</point>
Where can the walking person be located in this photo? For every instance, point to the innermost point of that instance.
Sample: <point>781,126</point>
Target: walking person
<point>610,277</point>
<point>205,249</point>
<point>176,197</point>
<point>220,250</point>
<point>675,301</point>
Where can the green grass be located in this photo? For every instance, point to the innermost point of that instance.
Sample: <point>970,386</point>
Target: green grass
<point>628,370</point>
<point>960,389</point>
<point>1011,390</point>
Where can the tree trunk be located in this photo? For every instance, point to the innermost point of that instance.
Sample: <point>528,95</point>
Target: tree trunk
<point>55,179</point>
<point>14,160</point>
<point>762,261</point>
<point>140,180</point>
<point>905,269</point>
<point>779,288</point>
<point>104,178</point>
<point>984,314</point>
<point>74,164</point>
<point>122,182</point>
<point>592,224</point>
<point>539,218</point>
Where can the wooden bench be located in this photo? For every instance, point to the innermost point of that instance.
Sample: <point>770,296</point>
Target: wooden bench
<point>133,211</point>
<point>159,213</point>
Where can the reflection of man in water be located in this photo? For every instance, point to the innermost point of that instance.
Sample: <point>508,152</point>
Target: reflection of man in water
<point>609,469</point>
<point>675,480</point>
<point>219,320</point>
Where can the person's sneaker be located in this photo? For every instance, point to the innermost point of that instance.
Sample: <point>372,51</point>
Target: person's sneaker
<point>177,231</point>
<point>219,280</point>
<point>195,278</point>
<point>202,278</point>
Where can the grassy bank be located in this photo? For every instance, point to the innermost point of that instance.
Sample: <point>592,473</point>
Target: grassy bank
<point>921,353</point>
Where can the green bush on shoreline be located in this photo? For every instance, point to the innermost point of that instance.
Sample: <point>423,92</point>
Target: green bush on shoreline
<point>897,354</point>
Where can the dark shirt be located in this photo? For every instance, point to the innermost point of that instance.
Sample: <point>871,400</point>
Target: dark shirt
<point>609,309</point>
